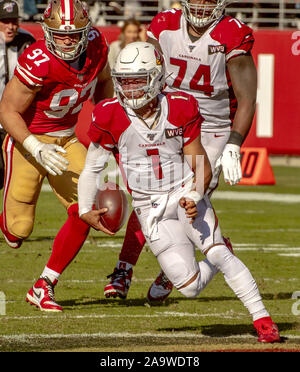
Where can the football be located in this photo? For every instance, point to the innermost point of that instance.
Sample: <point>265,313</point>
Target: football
<point>112,197</point>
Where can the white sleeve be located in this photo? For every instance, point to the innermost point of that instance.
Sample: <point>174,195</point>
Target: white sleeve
<point>95,162</point>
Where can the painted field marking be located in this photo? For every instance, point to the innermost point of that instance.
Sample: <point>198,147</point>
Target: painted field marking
<point>26,337</point>
<point>167,314</point>
<point>241,195</point>
<point>256,196</point>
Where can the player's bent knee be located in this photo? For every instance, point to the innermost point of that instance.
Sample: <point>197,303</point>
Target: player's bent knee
<point>193,289</point>
<point>21,229</point>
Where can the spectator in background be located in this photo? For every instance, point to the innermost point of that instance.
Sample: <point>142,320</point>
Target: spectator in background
<point>132,9</point>
<point>13,41</point>
<point>130,32</point>
<point>29,9</point>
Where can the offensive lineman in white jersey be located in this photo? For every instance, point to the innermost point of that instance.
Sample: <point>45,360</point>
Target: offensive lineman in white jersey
<point>208,56</point>
<point>157,139</point>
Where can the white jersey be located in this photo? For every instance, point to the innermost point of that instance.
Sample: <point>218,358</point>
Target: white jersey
<point>151,160</point>
<point>199,67</point>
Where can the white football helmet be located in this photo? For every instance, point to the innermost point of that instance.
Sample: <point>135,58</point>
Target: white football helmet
<point>66,17</point>
<point>201,14</point>
<point>138,60</point>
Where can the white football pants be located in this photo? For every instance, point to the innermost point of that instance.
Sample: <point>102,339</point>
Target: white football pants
<point>174,247</point>
<point>214,144</point>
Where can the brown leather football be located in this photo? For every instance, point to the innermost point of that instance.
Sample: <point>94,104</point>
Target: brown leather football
<point>112,197</point>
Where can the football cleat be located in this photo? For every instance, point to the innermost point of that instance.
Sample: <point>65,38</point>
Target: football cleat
<point>267,330</point>
<point>11,240</point>
<point>41,295</point>
<point>160,288</point>
<point>119,283</point>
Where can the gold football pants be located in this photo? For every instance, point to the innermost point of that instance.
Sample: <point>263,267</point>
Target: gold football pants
<point>24,178</point>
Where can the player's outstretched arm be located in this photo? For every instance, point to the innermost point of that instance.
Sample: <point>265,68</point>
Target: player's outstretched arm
<point>243,75</point>
<point>16,99</point>
<point>198,161</point>
<point>95,162</point>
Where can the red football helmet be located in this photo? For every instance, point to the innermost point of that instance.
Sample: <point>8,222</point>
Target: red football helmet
<point>65,17</point>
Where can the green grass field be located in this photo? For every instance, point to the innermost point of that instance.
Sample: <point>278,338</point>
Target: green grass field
<point>265,236</point>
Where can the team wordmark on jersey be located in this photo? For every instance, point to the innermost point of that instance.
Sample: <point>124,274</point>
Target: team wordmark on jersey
<point>212,49</point>
<point>173,132</point>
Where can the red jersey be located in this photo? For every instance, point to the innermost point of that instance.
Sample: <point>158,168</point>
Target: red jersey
<point>63,89</point>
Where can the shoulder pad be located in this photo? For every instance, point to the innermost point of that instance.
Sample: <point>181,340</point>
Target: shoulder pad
<point>167,20</point>
<point>33,64</point>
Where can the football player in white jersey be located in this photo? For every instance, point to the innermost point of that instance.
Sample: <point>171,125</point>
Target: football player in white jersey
<point>207,55</point>
<point>157,139</point>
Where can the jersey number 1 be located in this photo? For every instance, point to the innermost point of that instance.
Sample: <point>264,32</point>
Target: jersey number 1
<point>154,153</point>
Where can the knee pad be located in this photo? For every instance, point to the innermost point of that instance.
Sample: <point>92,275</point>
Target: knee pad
<point>21,228</point>
<point>193,289</point>
<point>221,257</point>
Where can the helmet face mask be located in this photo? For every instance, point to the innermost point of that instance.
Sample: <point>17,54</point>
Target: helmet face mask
<point>138,75</point>
<point>202,13</point>
<point>66,18</point>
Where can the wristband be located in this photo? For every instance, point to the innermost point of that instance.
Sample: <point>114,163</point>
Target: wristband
<point>194,196</point>
<point>236,138</point>
<point>31,143</point>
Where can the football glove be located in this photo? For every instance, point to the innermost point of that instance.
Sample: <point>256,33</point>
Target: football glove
<point>231,165</point>
<point>46,155</point>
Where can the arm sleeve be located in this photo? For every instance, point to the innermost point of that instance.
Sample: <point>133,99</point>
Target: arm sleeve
<point>96,160</point>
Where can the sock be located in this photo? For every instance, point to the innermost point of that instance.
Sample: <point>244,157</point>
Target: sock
<point>52,275</point>
<point>134,241</point>
<point>239,279</point>
<point>123,265</point>
<point>68,241</point>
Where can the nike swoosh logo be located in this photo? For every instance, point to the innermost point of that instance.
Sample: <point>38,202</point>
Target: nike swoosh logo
<point>217,136</point>
<point>29,68</point>
<point>38,295</point>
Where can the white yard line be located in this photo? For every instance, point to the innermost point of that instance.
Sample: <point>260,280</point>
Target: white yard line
<point>165,314</point>
<point>256,196</point>
<point>173,335</point>
<point>241,195</point>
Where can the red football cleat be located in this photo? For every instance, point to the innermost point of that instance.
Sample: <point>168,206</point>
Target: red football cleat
<point>160,288</point>
<point>119,283</point>
<point>42,296</point>
<point>267,330</point>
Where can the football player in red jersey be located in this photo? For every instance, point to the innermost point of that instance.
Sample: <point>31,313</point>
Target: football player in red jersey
<point>39,110</point>
<point>208,55</point>
<point>157,139</point>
